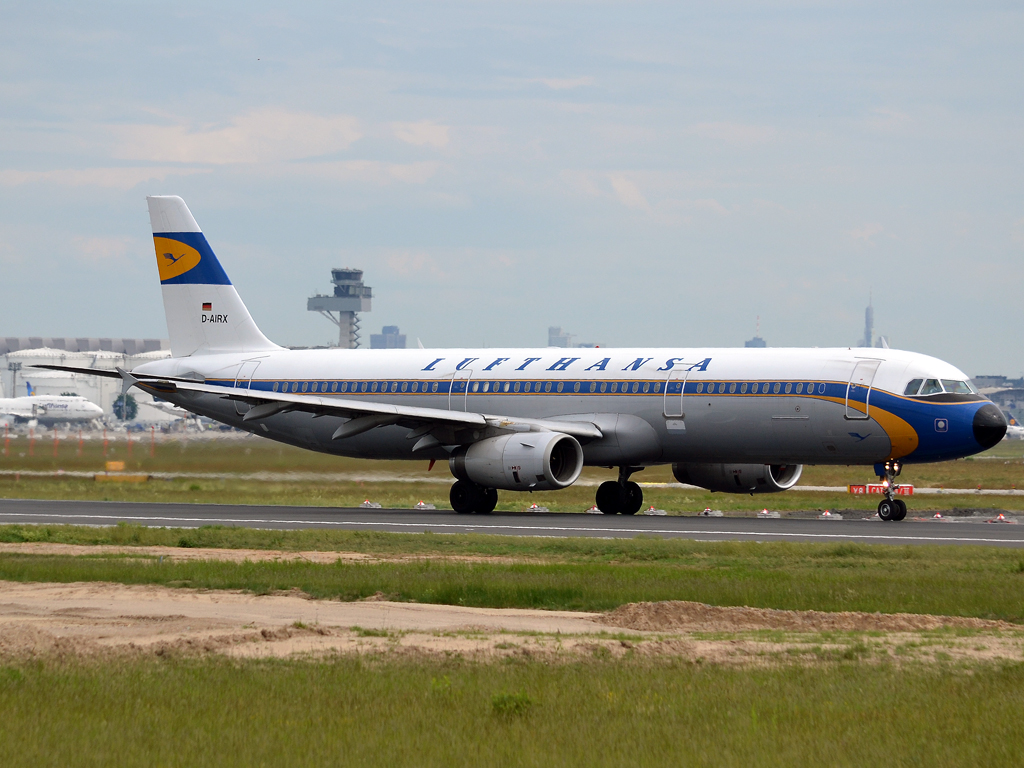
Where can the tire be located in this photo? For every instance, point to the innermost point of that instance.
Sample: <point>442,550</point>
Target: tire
<point>887,510</point>
<point>609,498</point>
<point>488,501</point>
<point>901,509</point>
<point>634,499</point>
<point>465,497</point>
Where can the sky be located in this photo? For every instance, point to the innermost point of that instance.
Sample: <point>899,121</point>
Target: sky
<point>641,174</point>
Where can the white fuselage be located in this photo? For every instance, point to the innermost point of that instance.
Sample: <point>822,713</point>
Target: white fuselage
<point>825,406</point>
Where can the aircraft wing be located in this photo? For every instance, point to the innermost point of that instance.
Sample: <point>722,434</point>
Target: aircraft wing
<point>90,371</point>
<point>365,415</point>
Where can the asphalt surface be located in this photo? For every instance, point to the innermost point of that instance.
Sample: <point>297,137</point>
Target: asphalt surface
<point>873,530</point>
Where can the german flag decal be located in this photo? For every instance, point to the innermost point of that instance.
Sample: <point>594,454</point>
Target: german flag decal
<point>207,306</point>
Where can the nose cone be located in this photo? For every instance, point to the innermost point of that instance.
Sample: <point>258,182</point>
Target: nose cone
<point>989,425</point>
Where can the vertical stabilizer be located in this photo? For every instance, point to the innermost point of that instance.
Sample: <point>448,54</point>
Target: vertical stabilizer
<point>204,311</point>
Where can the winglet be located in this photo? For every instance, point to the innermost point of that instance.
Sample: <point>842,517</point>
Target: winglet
<point>127,380</point>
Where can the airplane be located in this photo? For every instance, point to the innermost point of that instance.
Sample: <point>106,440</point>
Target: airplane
<point>48,409</point>
<point>730,420</point>
<point>1014,430</point>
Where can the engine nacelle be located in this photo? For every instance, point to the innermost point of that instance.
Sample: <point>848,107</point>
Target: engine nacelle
<point>739,478</point>
<point>523,461</point>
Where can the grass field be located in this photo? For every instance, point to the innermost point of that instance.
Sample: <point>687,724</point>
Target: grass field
<point>353,711</point>
<point>1003,467</point>
<point>571,574</point>
<point>837,709</point>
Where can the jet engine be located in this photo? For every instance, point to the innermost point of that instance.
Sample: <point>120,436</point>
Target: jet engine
<point>523,461</point>
<point>739,478</point>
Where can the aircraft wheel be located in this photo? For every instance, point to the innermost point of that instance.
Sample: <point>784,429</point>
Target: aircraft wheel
<point>488,501</point>
<point>609,497</point>
<point>901,509</point>
<point>466,497</point>
<point>887,510</point>
<point>633,498</point>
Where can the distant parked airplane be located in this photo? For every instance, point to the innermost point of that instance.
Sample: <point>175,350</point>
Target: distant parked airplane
<point>48,409</point>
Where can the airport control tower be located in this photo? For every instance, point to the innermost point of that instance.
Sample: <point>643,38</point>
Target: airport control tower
<point>350,296</point>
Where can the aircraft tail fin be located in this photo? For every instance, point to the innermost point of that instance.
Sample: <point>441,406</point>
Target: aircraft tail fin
<point>30,388</point>
<point>204,311</point>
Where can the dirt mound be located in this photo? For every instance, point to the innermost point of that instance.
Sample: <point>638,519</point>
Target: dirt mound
<point>683,616</point>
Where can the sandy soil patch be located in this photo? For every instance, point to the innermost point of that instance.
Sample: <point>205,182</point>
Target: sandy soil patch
<point>97,619</point>
<point>679,615</point>
<point>232,555</point>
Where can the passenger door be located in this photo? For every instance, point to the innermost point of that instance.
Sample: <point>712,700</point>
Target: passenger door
<point>676,380</point>
<point>458,392</point>
<point>242,381</point>
<point>859,389</point>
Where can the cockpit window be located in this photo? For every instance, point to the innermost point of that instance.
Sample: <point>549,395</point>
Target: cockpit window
<point>931,387</point>
<point>912,387</point>
<point>956,387</point>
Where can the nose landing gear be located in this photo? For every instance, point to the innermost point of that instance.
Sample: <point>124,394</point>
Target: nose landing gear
<point>622,496</point>
<point>891,508</point>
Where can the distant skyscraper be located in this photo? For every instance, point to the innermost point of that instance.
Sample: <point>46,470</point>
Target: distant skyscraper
<point>558,338</point>
<point>869,326</point>
<point>757,341</point>
<point>388,338</point>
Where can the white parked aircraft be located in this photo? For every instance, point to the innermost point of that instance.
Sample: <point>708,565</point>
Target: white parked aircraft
<point>48,409</point>
<point>731,420</point>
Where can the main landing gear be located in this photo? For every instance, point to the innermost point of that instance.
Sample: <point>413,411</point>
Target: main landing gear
<point>891,507</point>
<point>622,496</point>
<point>467,497</point>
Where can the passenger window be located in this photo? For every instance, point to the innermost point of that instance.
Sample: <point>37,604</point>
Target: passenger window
<point>547,386</point>
<point>576,387</point>
<point>777,387</point>
<point>275,386</point>
<point>800,388</point>
<point>789,388</point>
<point>515,387</point>
<point>506,387</point>
<point>743,388</point>
<point>931,387</point>
<point>732,388</point>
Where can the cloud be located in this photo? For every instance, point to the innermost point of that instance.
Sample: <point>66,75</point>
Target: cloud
<point>106,250</point>
<point>628,193</point>
<point>111,178</point>
<point>866,233</point>
<point>562,83</point>
<point>886,120</point>
<point>259,136</point>
<point>413,264</point>
<point>1017,231</point>
<point>736,134</point>
<point>422,133</point>
<point>370,171</point>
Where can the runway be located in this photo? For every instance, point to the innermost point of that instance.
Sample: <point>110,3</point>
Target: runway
<point>868,531</point>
